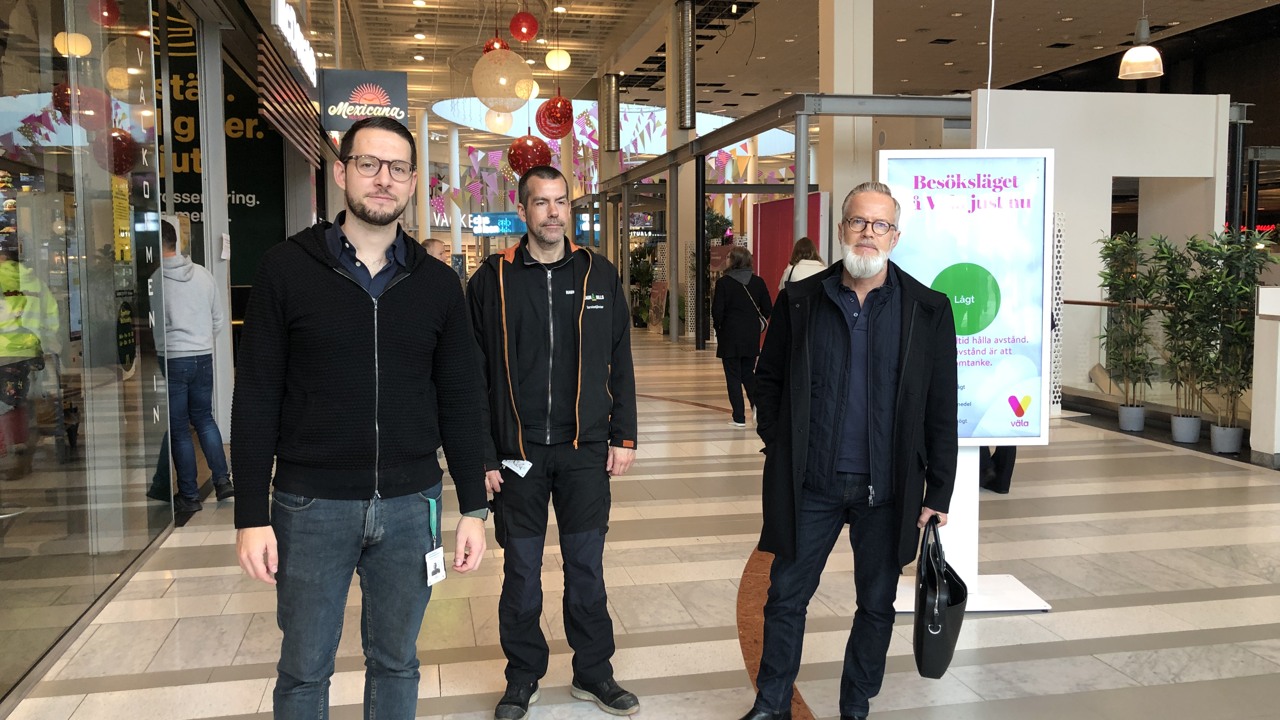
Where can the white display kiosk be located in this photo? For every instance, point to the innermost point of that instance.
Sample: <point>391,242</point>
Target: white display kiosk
<point>977,225</point>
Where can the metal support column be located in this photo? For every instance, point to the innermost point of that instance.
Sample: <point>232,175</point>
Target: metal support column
<point>1252,220</point>
<point>624,240</point>
<point>702,273</point>
<point>800,221</point>
<point>674,329</point>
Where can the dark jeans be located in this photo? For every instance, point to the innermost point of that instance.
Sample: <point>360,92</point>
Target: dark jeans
<point>191,405</point>
<point>739,375</point>
<point>576,482</point>
<point>872,533</point>
<point>321,542</point>
<point>995,467</point>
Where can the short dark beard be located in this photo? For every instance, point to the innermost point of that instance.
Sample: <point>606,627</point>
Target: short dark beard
<point>536,236</point>
<point>362,211</point>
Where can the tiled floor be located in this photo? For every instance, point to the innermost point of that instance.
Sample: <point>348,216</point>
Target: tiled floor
<point>1163,567</point>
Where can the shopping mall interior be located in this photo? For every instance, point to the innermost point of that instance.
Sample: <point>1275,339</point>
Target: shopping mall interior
<point>1124,575</point>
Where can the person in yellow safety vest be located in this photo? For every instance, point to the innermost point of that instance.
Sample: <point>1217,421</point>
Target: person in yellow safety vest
<point>29,320</point>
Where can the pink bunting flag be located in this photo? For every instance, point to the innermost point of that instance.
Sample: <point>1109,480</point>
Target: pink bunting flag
<point>475,188</point>
<point>511,196</point>
<point>437,204</point>
<point>495,158</point>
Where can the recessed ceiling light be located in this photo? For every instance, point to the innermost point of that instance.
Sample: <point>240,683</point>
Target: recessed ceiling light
<point>1173,23</point>
<point>982,42</point>
<point>733,76</point>
<point>313,32</point>
<point>902,39</point>
<point>1067,19</point>
<point>904,80</point>
<point>706,89</point>
<point>622,73</point>
<point>419,3</point>
<point>948,63</point>
<point>787,92</point>
<point>760,57</point>
<point>529,61</point>
<point>419,36</point>
<point>419,58</point>
<point>1037,67</point>
<point>541,41</point>
<point>788,40</point>
<point>957,14</point>
<point>558,9</point>
<point>1099,47</point>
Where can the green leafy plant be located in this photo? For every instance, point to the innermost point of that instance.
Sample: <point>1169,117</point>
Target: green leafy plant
<point>1229,267</point>
<point>1126,338</point>
<point>1174,286</point>
<point>641,283</point>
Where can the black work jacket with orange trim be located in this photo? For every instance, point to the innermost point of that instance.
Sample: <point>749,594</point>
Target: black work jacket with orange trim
<point>604,395</point>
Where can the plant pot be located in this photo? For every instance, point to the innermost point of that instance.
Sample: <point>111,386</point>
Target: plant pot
<point>1225,440</point>
<point>1186,429</point>
<point>1132,417</point>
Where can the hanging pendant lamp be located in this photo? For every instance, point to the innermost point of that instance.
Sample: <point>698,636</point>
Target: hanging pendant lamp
<point>1142,61</point>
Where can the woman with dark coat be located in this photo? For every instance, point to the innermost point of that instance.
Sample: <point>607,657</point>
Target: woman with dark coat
<point>738,312</point>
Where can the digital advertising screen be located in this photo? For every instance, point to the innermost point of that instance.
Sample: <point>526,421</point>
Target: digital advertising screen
<point>977,226</point>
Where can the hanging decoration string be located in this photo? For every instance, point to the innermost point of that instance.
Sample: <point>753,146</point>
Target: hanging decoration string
<point>991,52</point>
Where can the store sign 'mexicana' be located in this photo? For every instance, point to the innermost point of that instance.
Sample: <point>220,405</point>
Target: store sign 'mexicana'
<point>351,95</point>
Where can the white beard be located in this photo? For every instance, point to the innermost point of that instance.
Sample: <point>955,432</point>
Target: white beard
<point>864,266</point>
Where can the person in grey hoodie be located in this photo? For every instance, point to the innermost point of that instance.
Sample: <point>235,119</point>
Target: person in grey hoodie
<point>739,311</point>
<point>193,317</point>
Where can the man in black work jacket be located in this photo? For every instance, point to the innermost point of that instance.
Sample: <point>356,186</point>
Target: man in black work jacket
<point>356,360</point>
<point>856,393</point>
<point>553,325</point>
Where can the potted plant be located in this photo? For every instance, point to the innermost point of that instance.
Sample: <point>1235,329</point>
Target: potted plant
<point>1230,265</point>
<point>1185,342</point>
<point>1126,337</point>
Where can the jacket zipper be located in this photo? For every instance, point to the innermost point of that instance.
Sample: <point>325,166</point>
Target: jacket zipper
<point>377,380</point>
<point>551,360</point>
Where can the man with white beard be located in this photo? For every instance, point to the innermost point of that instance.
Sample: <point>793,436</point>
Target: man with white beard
<point>856,405</point>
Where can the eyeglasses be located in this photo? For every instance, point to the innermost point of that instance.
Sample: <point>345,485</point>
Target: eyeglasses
<point>858,224</point>
<point>369,166</point>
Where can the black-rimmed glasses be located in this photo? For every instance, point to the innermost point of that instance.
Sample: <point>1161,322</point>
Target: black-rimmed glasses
<point>370,166</point>
<point>858,224</point>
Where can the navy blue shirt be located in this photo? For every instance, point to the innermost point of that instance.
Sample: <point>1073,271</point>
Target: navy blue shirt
<point>345,252</point>
<point>855,445</point>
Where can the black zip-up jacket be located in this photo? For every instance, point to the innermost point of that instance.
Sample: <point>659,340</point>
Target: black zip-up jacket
<point>605,397</point>
<point>350,395</point>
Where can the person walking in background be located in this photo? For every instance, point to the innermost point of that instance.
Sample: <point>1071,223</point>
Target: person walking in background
<point>441,250</point>
<point>193,317</point>
<point>356,362</point>
<point>995,467</point>
<point>553,324</point>
<point>857,393</point>
<point>805,261</point>
<point>739,312</point>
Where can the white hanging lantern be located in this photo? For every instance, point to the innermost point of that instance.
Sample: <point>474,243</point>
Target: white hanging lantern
<point>497,122</point>
<point>495,78</point>
<point>558,60</point>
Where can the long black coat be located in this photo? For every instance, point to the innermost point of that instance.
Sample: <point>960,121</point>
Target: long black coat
<point>924,418</point>
<point>735,318</point>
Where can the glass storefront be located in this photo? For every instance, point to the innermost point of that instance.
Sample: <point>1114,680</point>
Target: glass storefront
<point>82,401</point>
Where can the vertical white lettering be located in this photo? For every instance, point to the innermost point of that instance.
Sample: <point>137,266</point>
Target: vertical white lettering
<point>155,415</point>
<point>151,319</point>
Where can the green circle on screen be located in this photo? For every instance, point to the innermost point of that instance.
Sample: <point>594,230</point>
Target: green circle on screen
<point>974,295</point>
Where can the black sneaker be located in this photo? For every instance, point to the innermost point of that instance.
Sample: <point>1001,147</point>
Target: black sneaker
<point>223,489</point>
<point>607,695</point>
<point>514,704</point>
<point>182,503</point>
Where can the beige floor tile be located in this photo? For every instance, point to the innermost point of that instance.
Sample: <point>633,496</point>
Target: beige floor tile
<point>186,702</point>
<point>162,608</point>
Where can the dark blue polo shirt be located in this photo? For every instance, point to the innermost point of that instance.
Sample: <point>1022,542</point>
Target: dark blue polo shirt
<point>345,252</point>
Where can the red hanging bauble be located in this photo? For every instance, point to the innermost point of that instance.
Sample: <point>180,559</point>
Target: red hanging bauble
<point>93,107</point>
<point>495,43</point>
<point>524,26</point>
<point>555,117</point>
<point>116,151</point>
<point>528,152</point>
<point>104,12</point>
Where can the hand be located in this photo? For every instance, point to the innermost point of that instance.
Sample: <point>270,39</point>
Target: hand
<point>256,547</point>
<point>493,481</point>
<point>924,518</point>
<point>469,544</point>
<point>620,460</point>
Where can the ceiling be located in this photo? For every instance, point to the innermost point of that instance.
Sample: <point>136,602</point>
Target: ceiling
<point>747,60</point>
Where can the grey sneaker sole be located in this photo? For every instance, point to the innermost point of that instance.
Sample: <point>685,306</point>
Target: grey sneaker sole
<point>585,695</point>
<point>532,699</point>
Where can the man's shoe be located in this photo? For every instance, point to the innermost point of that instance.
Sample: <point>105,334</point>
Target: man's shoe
<point>223,489</point>
<point>184,504</point>
<point>607,695</point>
<point>735,423</point>
<point>514,704</point>
<point>855,716</point>
<point>159,492</point>
<point>762,715</point>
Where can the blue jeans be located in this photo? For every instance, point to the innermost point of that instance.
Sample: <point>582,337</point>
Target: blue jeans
<point>873,534</point>
<point>191,405</point>
<point>321,542</point>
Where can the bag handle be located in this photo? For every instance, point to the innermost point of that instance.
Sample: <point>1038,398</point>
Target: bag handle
<point>759,314</point>
<point>931,543</point>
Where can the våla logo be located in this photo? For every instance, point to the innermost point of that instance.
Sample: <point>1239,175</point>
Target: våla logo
<point>1019,405</point>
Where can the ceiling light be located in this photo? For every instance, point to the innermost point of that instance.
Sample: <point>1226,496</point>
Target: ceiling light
<point>789,40</point>
<point>72,44</point>
<point>559,9</point>
<point>541,41</point>
<point>622,73</point>
<point>558,60</point>
<point>760,57</point>
<point>419,3</point>
<point>948,63</point>
<point>419,35</point>
<point>787,92</point>
<point>1142,61</point>
<point>313,32</point>
<point>133,71</point>
<point>957,14</point>
<point>1173,23</point>
<point>1099,47</point>
<point>902,39</point>
<point>419,58</point>
<point>734,8</point>
<point>904,80</point>
<point>733,76</point>
<point>982,42</point>
<point>1037,67</point>
<point>530,61</point>
<point>1067,19</point>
